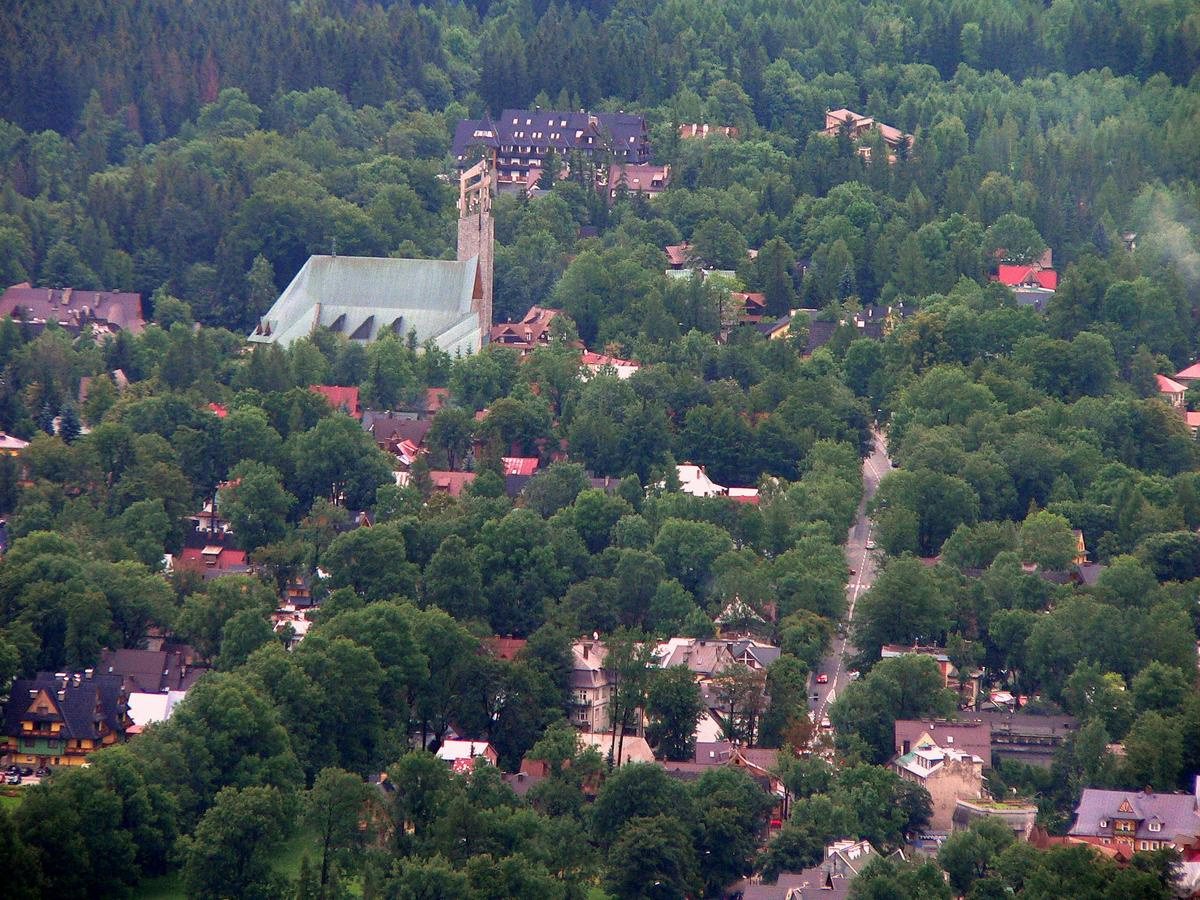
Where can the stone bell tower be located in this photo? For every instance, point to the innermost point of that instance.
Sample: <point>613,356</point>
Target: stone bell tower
<point>476,234</point>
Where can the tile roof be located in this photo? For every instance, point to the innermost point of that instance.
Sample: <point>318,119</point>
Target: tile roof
<point>341,398</point>
<point>389,429</point>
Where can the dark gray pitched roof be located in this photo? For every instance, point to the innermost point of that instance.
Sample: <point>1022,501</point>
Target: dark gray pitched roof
<point>1175,812</point>
<point>81,709</point>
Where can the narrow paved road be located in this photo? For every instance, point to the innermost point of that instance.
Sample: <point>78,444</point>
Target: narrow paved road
<point>861,561</point>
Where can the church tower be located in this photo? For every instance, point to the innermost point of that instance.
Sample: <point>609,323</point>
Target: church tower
<point>476,233</point>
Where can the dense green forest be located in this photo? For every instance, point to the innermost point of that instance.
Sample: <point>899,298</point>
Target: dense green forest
<point>199,152</point>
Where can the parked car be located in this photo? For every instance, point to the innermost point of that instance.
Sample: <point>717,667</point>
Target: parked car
<point>854,674</point>
<point>13,778</point>
<point>27,771</point>
<point>870,543</point>
<point>822,678</point>
<point>42,773</point>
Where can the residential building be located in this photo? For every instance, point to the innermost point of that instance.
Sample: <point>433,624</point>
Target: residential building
<point>448,302</point>
<point>695,481</point>
<point>390,430</point>
<point>703,130</point>
<point>1132,821</point>
<point>99,313</point>
<point>340,398</point>
<point>704,658</point>
<point>600,364</point>
<point>519,141</point>
<point>844,861</point>
<point>591,686</point>
<point>11,445</point>
<point>171,668</point>
<point>949,775</point>
<point>642,178</point>
<point>839,121</point>
<point>973,736</point>
<point>60,718</point>
<point>461,755</point>
<point>1172,392</point>
<point>967,686</point>
<point>527,335</point>
<point>631,748</point>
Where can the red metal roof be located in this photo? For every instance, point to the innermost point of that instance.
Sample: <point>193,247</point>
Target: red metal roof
<point>1169,385</point>
<point>520,465</point>
<point>218,410</point>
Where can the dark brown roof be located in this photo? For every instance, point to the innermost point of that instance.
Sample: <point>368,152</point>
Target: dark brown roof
<point>73,309</point>
<point>389,429</point>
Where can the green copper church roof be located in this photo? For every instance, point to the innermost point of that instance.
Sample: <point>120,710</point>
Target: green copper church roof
<point>365,298</point>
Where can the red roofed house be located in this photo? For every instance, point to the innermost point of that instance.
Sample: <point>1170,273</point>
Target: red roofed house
<point>1027,276</point>
<point>343,398</point>
<point>1172,391</point>
<point>455,752</point>
<point>753,306</point>
<point>596,363</point>
<point>213,558</point>
<point>678,254</point>
<point>520,465</point>
<point>1188,375</point>
<point>218,410</point>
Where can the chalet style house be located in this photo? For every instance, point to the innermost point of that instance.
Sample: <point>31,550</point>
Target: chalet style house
<point>1130,821</point>
<point>58,719</point>
<point>859,127</point>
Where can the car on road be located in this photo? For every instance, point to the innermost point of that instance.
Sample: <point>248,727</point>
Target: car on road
<point>870,543</point>
<point>13,778</point>
<point>822,678</point>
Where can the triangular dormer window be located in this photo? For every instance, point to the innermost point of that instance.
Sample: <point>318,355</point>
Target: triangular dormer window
<point>1125,807</point>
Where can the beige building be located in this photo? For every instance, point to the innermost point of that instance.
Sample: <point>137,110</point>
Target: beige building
<point>591,687</point>
<point>949,775</point>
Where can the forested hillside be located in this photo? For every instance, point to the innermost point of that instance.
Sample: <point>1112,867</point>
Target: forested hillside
<point>199,152</point>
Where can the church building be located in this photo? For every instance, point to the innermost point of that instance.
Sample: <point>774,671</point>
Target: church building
<point>366,298</point>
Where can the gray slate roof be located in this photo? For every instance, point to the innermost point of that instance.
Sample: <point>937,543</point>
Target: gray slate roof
<point>365,298</point>
<point>1177,813</point>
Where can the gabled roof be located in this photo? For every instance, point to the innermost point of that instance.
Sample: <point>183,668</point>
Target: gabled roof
<point>340,398</point>
<point>1169,385</point>
<point>520,465</point>
<point>1191,373</point>
<point>85,705</point>
<point>365,298</point>
<point>1176,812</point>
<point>1017,275</point>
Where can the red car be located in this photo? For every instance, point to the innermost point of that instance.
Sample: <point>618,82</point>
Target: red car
<point>822,678</point>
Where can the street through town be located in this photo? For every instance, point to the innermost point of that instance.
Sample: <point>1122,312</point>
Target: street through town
<point>862,563</point>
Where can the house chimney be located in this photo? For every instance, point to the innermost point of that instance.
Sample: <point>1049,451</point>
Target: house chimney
<point>33,694</point>
<point>88,673</point>
<point>586,647</point>
<point>62,695</point>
